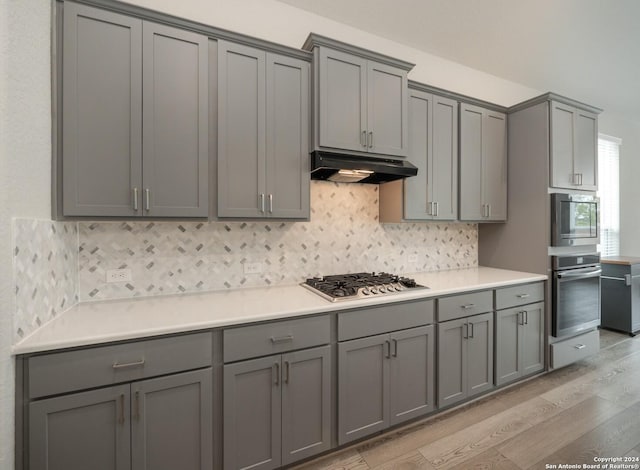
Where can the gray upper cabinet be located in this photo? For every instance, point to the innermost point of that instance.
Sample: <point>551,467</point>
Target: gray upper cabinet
<point>465,358</point>
<point>175,123</point>
<point>122,79</point>
<point>360,99</point>
<point>277,409</point>
<point>574,158</point>
<point>263,134</point>
<point>433,148</point>
<point>483,164</point>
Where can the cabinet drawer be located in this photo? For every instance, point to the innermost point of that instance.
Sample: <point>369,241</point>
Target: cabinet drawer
<point>574,349</point>
<point>383,319</point>
<point>273,338</point>
<point>519,295</point>
<point>458,306</point>
<point>94,367</point>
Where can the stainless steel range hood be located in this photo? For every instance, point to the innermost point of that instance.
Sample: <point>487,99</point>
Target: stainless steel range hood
<point>344,168</point>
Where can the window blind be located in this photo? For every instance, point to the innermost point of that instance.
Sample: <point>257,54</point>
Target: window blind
<point>609,193</point>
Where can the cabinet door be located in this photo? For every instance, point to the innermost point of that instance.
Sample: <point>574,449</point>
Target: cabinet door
<point>444,158</point>
<point>306,403</point>
<point>471,122</point>
<point>533,339</point>
<point>562,145</point>
<point>287,133</point>
<point>387,117</point>
<point>81,431</point>
<point>508,345</point>
<point>172,422</point>
<point>363,387</point>
<point>252,414</point>
<point>175,126</point>
<point>480,354</point>
<point>417,188</point>
<point>494,165</point>
<point>585,158</point>
<point>241,131</point>
<point>101,112</point>
<point>452,363</point>
<point>412,374</point>
<point>342,96</point>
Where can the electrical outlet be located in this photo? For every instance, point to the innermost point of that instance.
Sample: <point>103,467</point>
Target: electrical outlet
<point>118,275</point>
<point>412,258</point>
<point>252,268</point>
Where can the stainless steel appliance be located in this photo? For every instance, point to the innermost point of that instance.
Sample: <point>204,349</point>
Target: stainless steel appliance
<point>575,219</point>
<point>359,285</point>
<point>576,293</point>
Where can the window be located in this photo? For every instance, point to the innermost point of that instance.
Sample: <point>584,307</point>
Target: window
<point>609,193</point>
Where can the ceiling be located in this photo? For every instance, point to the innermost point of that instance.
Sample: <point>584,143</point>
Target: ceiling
<point>588,50</point>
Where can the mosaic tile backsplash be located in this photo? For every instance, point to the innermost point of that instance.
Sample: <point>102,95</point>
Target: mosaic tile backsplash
<point>45,258</point>
<point>343,235</point>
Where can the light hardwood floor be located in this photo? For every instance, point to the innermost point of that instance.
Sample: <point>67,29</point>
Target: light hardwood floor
<point>569,416</point>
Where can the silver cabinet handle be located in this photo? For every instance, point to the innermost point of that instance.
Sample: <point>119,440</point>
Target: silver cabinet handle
<point>467,306</point>
<point>520,318</point>
<point>437,204</point>
<point>135,199</point>
<point>287,371</point>
<point>388,345</point>
<point>395,347</point>
<point>136,409</point>
<point>580,346</point>
<point>363,139</point>
<point>261,199</point>
<point>117,365</point>
<point>281,339</point>
<point>522,296</point>
<point>430,208</point>
<point>472,335</point>
<point>275,371</point>
<point>370,139</point>
<point>271,203</point>
<point>489,210</point>
<point>121,417</point>
<point>526,317</point>
<point>465,335</point>
<point>147,199</point>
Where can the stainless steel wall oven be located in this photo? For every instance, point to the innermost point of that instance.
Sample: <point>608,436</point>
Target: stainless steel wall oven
<point>576,293</point>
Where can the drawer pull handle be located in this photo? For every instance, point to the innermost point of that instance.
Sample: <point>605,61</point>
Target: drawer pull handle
<point>522,296</point>
<point>117,365</point>
<point>580,346</point>
<point>121,417</point>
<point>281,339</point>
<point>468,306</point>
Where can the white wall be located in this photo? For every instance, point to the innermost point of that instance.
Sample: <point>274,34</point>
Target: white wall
<point>25,162</point>
<point>629,132</point>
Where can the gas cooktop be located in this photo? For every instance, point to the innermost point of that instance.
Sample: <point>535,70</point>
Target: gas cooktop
<point>359,285</point>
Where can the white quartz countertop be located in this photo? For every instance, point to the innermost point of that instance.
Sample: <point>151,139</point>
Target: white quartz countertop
<point>105,321</point>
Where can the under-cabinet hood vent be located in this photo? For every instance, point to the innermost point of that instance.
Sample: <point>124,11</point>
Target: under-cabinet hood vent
<point>343,168</point>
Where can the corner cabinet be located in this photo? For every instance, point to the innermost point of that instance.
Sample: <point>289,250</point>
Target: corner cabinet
<point>433,148</point>
<point>483,164</point>
<point>574,147</point>
<point>134,117</point>
<point>140,423</point>
<point>361,99</point>
<point>263,134</point>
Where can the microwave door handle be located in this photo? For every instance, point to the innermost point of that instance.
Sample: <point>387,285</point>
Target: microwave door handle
<point>582,274</point>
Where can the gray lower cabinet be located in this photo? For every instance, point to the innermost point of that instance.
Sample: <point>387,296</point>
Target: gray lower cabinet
<point>134,117</point>
<point>263,134</point>
<point>620,292</point>
<point>162,423</point>
<point>384,380</point>
<point>277,409</point>
<point>519,342</point>
<point>465,358</point>
<point>483,164</point>
<point>574,156</point>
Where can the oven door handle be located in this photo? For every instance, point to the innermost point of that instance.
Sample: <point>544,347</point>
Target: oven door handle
<point>581,274</point>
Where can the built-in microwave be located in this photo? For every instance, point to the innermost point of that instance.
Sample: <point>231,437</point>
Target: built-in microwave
<point>575,219</point>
